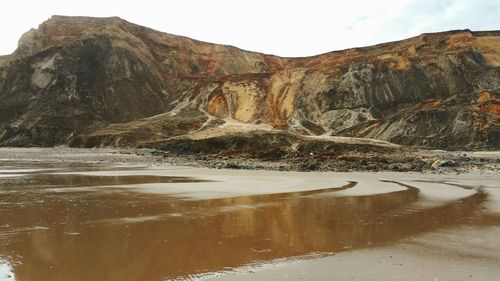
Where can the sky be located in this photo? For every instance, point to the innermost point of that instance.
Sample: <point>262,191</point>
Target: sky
<point>290,28</point>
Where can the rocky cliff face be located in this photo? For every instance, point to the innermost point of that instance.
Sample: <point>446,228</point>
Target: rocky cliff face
<point>104,81</point>
<point>72,75</point>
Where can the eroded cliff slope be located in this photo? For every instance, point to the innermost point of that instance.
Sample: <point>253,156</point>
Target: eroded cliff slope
<point>104,81</point>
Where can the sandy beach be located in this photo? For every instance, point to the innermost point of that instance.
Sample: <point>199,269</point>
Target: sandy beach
<point>64,212</point>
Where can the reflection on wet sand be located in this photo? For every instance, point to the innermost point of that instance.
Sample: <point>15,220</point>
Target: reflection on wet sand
<point>60,180</point>
<point>123,235</point>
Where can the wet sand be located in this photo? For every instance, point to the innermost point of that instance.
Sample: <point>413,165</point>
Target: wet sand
<point>115,222</point>
<point>447,255</point>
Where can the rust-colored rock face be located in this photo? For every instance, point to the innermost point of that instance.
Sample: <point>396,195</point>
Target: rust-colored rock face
<point>104,81</point>
<point>217,106</point>
<point>489,103</point>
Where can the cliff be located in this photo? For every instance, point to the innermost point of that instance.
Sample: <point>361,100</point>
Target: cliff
<point>105,81</point>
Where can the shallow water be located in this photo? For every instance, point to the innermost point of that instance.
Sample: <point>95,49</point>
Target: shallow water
<point>80,227</point>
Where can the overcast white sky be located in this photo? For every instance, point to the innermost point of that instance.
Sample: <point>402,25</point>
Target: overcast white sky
<point>286,28</point>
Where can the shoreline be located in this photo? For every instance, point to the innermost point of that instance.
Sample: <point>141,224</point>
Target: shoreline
<point>421,161</point>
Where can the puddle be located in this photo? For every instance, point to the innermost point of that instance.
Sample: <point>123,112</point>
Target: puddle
<point>126,235</point>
